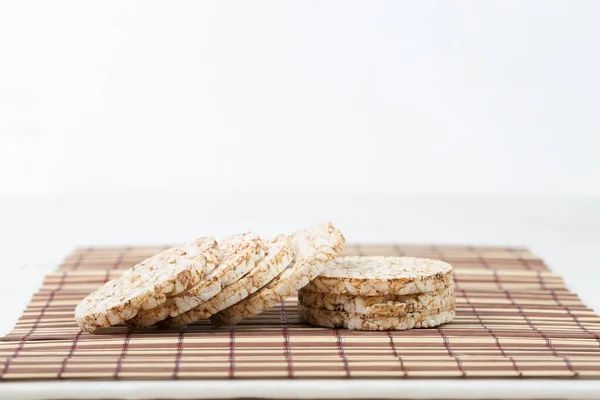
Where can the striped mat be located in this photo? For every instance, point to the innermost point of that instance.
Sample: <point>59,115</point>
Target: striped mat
<point>515,318</point>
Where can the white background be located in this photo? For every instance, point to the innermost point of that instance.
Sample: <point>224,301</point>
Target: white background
<point>128,122</point>
<point>400,97</point>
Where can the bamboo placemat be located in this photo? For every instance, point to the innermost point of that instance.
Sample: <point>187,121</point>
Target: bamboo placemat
<point>515,318</point>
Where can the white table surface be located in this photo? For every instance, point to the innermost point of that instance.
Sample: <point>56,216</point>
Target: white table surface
<point>37,232</point>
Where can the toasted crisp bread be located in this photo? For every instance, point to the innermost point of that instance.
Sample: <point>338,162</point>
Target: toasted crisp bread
<point>314,247</point>
<point>379,306</point>
<point>148,284</point>
<point>239,254</point>
<point>381,276</point>
<point>279,255</point>
<point>338,319</point>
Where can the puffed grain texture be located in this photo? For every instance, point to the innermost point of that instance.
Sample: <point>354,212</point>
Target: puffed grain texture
<point>279,255</point>
<point>381,276</point>
<point>148,284</point>
<point>379,306</point>
<point>314,247</point>
<point>239,255</point>
<point>337,319</point>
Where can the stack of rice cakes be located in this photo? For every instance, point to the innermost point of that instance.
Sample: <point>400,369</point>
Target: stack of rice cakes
<point>227,280</point>
<point>380,293</point>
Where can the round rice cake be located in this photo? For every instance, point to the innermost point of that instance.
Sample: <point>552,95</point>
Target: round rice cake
<point>279,255</point>
<point>148,284</point>
<point>313,247</point>
<point>239,255</point>
<point>381,276</point>
<point>380,306</point>
<point>338,319</point>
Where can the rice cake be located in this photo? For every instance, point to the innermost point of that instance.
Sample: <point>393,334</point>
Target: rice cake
<point>380,306</point>
<point>339,319</point>
<point>382,276</point>
<point>314,247</point>
<point>239,255</point>
<point>148,284</point>
<point>279,255</point>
